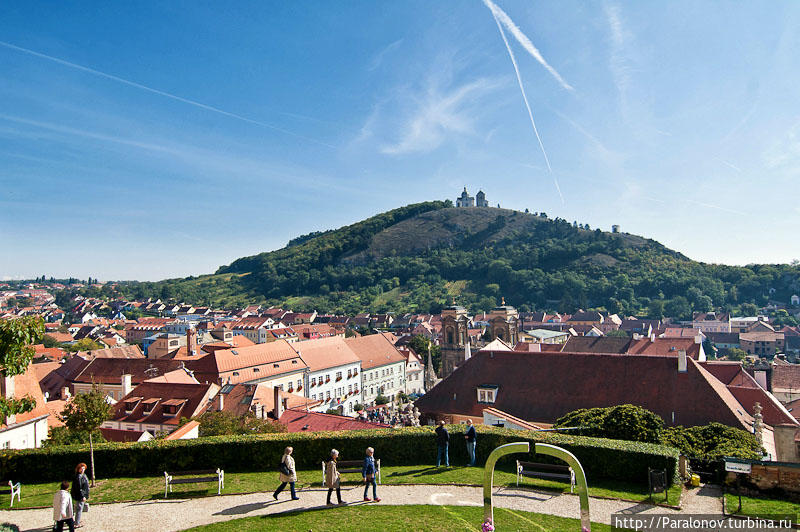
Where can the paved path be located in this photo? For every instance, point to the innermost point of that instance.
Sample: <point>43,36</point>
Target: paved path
<point>179,514</point>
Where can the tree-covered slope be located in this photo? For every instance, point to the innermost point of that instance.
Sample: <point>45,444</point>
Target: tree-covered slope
<point>419,256</point>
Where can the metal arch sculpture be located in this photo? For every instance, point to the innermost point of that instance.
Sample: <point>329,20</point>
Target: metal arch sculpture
<point>543,448</point>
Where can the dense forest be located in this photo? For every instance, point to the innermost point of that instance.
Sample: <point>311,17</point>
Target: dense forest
<point>418,257</point>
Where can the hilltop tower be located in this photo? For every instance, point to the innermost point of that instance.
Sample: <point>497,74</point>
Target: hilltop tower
<point>454,337</point>
<point>480,199</point>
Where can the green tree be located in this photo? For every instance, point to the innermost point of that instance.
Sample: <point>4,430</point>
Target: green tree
<point>713,441</point>
<point>85,413</point>
<point>226,423</point>
<point>49,341</point>
<point>16,353</point>
<point>734,353</point>
<point>381,399</point>
<point>419,344</point>
<point>64,436</point>
<point>84,344</point>
<point>619,333</point>
<point>623,422</point>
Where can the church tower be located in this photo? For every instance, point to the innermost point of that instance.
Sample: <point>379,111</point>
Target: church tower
<point>454,337</point>
<point>504,323</point>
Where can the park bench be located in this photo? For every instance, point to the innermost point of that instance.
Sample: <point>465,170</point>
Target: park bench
<point>546,471</point>
<point>353,466</point>
<point>14,490</point>
<point>194,477</point>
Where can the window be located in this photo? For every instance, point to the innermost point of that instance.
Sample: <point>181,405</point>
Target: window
<point>487,393</point>
<point>299,384</point>
<point>349,373</point>
<point>256,370</point>
<point>349,388</point>
<point>313,381</point>
<point>338,375</point>
<point>313,397</point>
<point>328,394</point>
<point>235,373</point>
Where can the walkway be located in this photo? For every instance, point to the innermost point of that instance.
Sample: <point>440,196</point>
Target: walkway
<point>179,514</point>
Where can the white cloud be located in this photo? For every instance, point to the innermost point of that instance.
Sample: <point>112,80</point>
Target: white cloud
<point>377,60</point>
<point>436,115</point>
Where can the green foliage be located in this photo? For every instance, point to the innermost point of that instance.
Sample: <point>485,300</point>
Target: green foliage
<point>734,353</point>
<point>84,344</point>
<point>16,353</point>
<point>530,260</point>
<point>85,413</point>
<point>623,422</point>
<point>226,423</point>
<point>49,341</point>
<point>381,399</point>
<point>333,412</point>
<point>713,441</point>
<point>617,333</point>
<point>57,436</point>
<point>601,458</point>
<point>419,344</point>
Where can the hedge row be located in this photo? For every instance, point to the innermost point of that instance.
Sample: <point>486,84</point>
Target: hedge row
<point>601,458</point>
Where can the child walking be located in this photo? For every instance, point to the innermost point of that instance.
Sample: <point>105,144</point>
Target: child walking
<point>368,472</point>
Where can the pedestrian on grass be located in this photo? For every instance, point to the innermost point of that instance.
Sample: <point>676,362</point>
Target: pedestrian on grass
<point>368,472</point>
<point>442,443</point>
<point>62,509</point>
<point>471,440</point>
<point>287,475</point>
<point>332,477</point>
<point>80,493</point>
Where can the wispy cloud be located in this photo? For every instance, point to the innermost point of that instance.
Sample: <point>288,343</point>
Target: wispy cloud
<point>377,60</point>
<point>437,115</point>
<point>162,93</point>
<point>502,17</point>
<point>729,165</point>
<point>717,207</point>
<point>618,62</point>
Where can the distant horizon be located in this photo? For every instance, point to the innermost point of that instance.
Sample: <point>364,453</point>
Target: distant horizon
<point>162,140</point>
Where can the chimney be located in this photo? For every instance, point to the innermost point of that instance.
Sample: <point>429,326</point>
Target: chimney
<point>221,401</point>
<point>65,393</point>
<point>191,341</point>
<point>682,361</point>
<point>126,384</point>
<point>278,408</point>
<point>652,337</point>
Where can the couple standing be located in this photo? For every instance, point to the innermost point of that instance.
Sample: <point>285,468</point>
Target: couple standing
<point>368,471</point>
<point>443,443</point>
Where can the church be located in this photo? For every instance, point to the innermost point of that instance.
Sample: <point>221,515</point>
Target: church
<point>465,200</point>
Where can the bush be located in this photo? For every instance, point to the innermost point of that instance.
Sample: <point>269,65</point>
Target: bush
<point>623,422</point>
<point>612,459</point>
<point>713,441</point>
<point>225,423</point>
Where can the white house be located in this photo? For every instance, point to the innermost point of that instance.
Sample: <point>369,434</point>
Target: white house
<point>28,430</point>
<point>333,375</point>
<point>383,367</point>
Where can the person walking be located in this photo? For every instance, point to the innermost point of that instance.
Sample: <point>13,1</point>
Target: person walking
<point>62,508</point>
<point>470,436</point>
<point>368,472</point>
<point>80,493</point>
<point>287,474</point>
<point>332,477</point>
<point>442,442</point>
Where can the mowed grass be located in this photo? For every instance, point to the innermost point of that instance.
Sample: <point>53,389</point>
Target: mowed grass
<point>148,488</point>
<point>761,507</point>
<point>399,519</point>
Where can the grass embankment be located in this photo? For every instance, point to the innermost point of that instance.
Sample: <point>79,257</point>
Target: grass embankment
<point>134,489</point>
<point>400,518</point>
<point>761,507</point>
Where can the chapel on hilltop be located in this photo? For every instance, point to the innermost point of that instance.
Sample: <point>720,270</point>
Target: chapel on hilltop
<point>465,200</point>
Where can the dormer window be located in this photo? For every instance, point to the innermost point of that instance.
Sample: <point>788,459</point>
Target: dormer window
<point>131,403</point>
<point>149,404</point>
<point>487,393</point>
<point>173,406</point>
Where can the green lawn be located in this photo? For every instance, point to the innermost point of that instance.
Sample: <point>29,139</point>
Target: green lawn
<point>400,519</point>
<point>128,489</point>
<point>761,507</point>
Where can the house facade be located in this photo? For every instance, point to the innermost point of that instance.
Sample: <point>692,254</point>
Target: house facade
<point>334,374</point>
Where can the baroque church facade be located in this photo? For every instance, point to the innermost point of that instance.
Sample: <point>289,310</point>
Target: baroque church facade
<point>465,200</point>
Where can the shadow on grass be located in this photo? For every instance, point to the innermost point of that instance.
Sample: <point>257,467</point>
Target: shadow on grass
<point>247,508</point>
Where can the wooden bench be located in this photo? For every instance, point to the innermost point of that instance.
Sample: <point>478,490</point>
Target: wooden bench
<point>14,490</point>
<point>353,466</point>
<point>194,477</point>
<point>546,471</point>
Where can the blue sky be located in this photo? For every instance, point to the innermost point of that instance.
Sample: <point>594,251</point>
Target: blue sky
<point>145,140</point>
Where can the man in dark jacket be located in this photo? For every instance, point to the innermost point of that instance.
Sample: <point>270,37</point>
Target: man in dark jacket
<point>442,442</point>
<point>471,440</point>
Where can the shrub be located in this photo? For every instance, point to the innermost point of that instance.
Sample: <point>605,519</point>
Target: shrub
<point>623,422</point>
<point>612,459</point>
<point>713,441</point>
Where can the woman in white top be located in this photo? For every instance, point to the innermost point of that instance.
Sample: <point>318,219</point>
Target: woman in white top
<point>288,475</point>
<point>62,508</point>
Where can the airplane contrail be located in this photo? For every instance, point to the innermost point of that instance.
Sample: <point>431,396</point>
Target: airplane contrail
<point>523,39</point>
<point>527,105</point>
<point>161,93</point>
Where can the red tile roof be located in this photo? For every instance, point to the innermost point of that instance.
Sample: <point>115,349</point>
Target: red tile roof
<point>326,353</point>
<point>545,386</point>
<point>374,350</point>
<point>298,420</point>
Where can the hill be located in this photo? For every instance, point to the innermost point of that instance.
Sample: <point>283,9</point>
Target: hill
<point>417,257</point>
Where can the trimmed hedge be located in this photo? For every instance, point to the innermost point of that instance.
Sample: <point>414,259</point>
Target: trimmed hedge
<point>601,458</point>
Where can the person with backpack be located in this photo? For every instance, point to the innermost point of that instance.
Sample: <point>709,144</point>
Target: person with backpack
<point>442,443</point>
<point>368,472</point>
<point>287,474</point>
<point>332,478</point>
